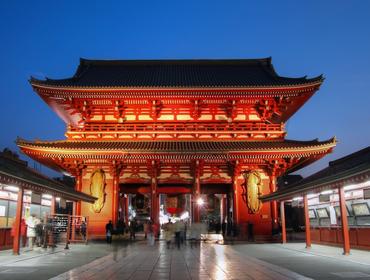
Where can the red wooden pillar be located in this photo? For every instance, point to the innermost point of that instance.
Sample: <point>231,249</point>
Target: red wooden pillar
<point>17,222</point>
<point>79,189</point>
<point>223,208</point>
<point>344,219</point>
<point>154,195</point>
<point>235,200</point>
<point>71,224</point>
<point>196,194</point>
<point>52,205</point>
<point>126,202</point>
<point>273,205</point>
<point>283,226</point>
<point>115,198</point>
<point>307,222</point>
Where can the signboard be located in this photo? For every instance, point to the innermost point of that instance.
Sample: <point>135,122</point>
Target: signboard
<point>366,193</point>
<point>60,223</point>
<point>322,213</point>
<point>324,198</point>
<point>361,209</point>
<point>2,211</point>
<point>36,198</point>
<point>62,203</point>
<point>312,214</point>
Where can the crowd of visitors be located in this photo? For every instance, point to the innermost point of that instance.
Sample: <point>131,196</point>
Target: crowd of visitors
<point>35,232</point>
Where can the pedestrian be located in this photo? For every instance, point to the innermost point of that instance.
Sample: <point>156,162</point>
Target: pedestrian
<point>132,229</point>
<point>223,228</point>
<point>109,231</point>
<point>39,229</point>
<point>168,233</point>
<point>121,227</point>
<point>146,228</point>
<point>83,230</point>
<point>31,223</point>
<point>178,229</point>
<point>150,234</point>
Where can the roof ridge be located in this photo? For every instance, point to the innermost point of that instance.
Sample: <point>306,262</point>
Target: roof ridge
<point>350,156</point>
<point>266,61</point>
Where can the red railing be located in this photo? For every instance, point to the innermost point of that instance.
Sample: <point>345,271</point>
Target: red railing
<point>179,127</point>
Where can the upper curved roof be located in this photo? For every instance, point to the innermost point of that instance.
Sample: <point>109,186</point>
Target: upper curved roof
<point>218,73</point>
<point>190,147</point>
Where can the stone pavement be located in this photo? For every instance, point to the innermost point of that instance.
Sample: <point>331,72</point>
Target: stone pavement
<point>125,260</point>
<point>318,262</point>
<point>207,261</point>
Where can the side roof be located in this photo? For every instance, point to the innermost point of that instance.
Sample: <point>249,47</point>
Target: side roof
<point>14,169</point>
<point>344,168</point>
<point>239,73</point>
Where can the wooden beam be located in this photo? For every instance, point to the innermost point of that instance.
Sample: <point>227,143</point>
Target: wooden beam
<point>344,219</point>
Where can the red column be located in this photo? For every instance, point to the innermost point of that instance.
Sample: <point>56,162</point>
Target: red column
<point>79,189</point>
<point>154,196</point>
<point>343,217</point>
<point>126,202</point>
<point>196,195</point>
<point>273,205</point>
<point>52,205</point>
<point>115,199</point>
<point>223,208</point>
<point>17,222</point>
<point>307,222</point>
<point>283,226</point>
<point>235,200</point>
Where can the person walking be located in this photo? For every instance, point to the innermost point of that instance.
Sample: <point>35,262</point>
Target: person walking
<point>150,234</point>
<point>178,229</point>
<point>31,223</point>
<point>132,229</point>
<point>109,231</point>
<point>83,230</point>
<point>168,233</point>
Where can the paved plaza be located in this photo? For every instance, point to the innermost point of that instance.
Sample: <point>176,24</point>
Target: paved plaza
<point>208,261</point>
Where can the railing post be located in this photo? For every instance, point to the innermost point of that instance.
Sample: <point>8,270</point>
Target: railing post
<point>68,232</point>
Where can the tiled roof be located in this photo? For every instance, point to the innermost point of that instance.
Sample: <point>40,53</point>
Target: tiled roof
<point>19,171</point>
<point>341,169</point>
<point>175,73</point>
<point>177,146</point>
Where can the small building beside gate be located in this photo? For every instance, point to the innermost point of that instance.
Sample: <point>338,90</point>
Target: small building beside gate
<point>23,192</point>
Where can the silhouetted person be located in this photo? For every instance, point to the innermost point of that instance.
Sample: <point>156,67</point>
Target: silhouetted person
<point>109,231</point>
<point>83,230</point>
<point>132,229</point>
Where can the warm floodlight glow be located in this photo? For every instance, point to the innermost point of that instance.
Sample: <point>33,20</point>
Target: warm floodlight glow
<point>57,199</point>
<point>200,201</point>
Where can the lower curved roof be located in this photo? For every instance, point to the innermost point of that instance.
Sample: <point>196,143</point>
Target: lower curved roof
<point>177,147</point>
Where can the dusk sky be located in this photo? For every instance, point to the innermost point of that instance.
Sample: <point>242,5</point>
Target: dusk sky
<point>47,38</point>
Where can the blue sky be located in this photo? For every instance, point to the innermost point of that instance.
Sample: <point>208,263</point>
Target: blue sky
<point>47,38</point>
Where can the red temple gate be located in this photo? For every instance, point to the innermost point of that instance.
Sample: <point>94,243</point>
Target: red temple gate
<point>177,126</point>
